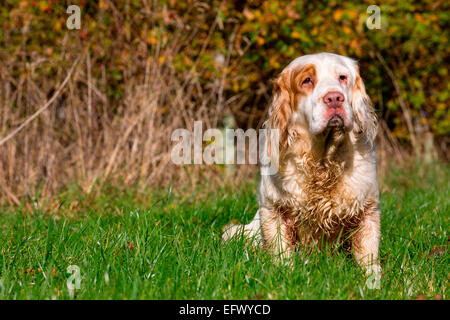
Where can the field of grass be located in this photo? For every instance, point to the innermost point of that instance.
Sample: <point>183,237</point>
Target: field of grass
<point>169,247</point>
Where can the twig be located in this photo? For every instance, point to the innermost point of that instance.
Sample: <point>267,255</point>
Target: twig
<point>43,108</point>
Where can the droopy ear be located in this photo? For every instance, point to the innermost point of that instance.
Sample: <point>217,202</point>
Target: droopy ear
<point>365,123</point>
<point>281,109</point>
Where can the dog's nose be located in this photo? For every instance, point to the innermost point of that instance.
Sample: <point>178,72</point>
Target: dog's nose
<point>334,99</point>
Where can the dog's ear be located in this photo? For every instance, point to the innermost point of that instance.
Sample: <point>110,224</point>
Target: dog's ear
<point>365,122</point>
<point>281,109</point>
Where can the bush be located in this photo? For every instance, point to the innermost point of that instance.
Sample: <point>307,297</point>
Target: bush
<point>220,57</point>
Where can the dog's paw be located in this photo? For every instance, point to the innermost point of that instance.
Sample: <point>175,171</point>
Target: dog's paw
<point>229,231</point>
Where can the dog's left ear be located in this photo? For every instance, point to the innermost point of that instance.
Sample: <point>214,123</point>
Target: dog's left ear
<point>365,123</point>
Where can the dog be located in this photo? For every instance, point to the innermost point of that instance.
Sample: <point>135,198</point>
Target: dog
<point>325,188</point>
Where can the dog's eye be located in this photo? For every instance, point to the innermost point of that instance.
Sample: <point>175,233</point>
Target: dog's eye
<point>307,82</point>
<point>342,78</point>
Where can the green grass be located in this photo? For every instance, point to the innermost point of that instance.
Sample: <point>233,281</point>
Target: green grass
<point>169,247</point>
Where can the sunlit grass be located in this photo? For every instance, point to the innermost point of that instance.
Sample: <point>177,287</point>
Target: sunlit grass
<point>169,247</point>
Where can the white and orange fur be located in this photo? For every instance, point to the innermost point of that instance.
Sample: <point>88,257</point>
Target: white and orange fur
<point>326,186</point>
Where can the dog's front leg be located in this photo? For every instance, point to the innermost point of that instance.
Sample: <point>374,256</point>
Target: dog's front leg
<point>274,234</point>
<point>366,242</point>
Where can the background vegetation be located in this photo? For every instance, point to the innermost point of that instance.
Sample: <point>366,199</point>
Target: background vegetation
<point>143,245</point>
<point>143,68</point>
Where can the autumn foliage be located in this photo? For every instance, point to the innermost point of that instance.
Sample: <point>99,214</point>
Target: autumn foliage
<point>194,60</point>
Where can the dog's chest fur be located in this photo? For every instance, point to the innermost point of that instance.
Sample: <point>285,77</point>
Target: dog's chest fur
<point>314,195</point>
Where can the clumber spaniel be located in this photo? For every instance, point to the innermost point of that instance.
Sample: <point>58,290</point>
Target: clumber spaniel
<point>326,185</point>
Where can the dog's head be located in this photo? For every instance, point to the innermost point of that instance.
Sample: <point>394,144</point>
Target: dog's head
<point>319,92</point>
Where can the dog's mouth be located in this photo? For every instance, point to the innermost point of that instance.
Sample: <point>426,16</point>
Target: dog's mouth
<point>335,121</point>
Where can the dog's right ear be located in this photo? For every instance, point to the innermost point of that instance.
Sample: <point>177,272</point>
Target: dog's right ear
<point>281,109</point>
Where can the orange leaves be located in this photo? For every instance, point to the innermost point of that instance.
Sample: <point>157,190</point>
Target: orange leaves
<point>292,14</point>
<point>356,46</point>
<point>351,14</point>
<point>295,35</point>
<point>347,30</point>
<point>248,14</point>
<point>260,41</point>
<point>347,14</point>
<point>152,39</point>
<point>274,62</point>
<point>337,15</point>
